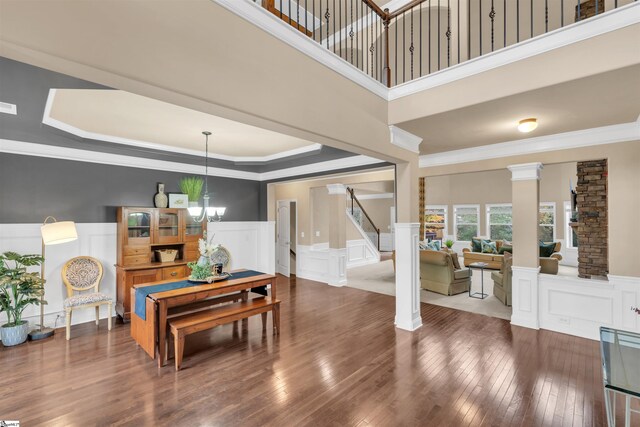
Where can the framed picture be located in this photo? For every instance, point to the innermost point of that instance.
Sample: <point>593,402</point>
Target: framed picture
<point>178,201</point>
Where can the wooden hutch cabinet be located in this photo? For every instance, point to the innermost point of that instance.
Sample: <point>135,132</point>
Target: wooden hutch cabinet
<point>142,231</point>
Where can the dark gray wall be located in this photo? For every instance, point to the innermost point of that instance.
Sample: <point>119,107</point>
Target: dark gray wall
<point>33,187</point>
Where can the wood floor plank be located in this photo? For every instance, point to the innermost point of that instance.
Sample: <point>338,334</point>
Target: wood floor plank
<point>338,361</point>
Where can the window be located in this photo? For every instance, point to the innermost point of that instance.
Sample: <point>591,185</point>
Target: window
<point>435,220</point>
<point>499,222</point>
<point>547,222</point>
<point>570,236</point>
<point>466,222</point>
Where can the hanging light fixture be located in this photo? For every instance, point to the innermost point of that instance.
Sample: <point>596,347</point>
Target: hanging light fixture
<point>206,212</point>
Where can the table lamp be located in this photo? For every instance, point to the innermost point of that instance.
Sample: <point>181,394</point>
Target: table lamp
<point>53,233</point>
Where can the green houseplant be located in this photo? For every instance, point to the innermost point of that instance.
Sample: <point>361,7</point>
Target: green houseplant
<point>18,290</point>
<point>449,243</point>
<point>192,187</point>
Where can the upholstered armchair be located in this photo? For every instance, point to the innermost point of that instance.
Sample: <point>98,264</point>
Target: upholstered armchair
<point>438,273</point>
<point>502,281</point>
<point>82,276</point>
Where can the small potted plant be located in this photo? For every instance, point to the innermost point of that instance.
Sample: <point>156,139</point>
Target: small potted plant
<point>192,187</point>
<point>449,244</point>
<point>18,290</point>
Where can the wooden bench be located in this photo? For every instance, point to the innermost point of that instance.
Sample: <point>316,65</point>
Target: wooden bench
<point>188,324</point>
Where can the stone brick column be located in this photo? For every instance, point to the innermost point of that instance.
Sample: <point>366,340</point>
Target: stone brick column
<point>592,228</point>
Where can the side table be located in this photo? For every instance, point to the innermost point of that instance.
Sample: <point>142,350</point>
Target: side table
<point>480,266</point>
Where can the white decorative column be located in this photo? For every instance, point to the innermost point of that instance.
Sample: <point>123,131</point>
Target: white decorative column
<point>407,276</point>
<point>337,274</point>
<point>525,184</point>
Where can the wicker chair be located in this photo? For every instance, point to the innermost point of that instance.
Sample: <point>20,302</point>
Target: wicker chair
<point>82,274</point>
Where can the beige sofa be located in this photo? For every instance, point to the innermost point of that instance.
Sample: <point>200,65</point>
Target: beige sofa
<point>502,281</point>
<point>438,274</point>
<point>549,265</point>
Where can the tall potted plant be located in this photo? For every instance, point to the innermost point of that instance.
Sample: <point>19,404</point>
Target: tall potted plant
<point>18,290</point>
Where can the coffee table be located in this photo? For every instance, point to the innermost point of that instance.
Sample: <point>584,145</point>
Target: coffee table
<point>480,266</point>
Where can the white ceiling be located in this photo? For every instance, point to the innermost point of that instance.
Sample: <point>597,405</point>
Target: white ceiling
<point>123,117</point>
<point>600,100</point>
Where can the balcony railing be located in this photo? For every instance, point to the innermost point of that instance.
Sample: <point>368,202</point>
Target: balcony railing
<point>426,36</point>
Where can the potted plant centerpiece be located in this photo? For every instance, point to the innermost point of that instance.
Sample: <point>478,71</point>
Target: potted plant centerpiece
<point>203,269</point>
<point>18,290</point>
<point>449,244</point>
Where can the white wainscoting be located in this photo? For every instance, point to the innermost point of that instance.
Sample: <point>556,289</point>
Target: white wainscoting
<point>252,246</point>
<point>97,240</point>
<point>322,264</point>
<point>387,243</point>
<point>359,253</point>
<point>576,306</point>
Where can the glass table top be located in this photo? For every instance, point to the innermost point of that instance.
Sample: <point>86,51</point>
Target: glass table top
<point>620,351</point>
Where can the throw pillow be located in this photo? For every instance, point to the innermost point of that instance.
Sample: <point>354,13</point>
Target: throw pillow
<point>546,249</point>
<point>422,246</point>
<point>454,258</point>
<point>434,245</point>
<point>489,247</point>
<point>476,245</point>
<point>505,248</point>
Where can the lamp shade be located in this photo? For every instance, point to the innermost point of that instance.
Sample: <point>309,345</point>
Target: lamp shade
<point>58,232</point>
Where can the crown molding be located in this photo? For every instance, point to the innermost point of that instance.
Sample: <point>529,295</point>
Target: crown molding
<point>561,141</point>
<point>65,127</point>
<point>594,26</point>
<point>525,171</point>
<point>403,139</point>
<point>265,20</point>
<point>74,154</point>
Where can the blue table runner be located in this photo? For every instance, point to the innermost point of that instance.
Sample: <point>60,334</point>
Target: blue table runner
<point>144,291</point>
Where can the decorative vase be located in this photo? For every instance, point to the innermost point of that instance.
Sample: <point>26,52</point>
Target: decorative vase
<point>14,335</point>
<point>161,200</point>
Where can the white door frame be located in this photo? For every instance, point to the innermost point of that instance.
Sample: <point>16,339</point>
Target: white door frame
<point>290,237</point>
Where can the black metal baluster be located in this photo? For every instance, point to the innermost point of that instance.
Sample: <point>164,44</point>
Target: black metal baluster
<point>306,17</point>
<point>327,15</point>
<point>597,7</point>
<point>504,23</point>
<point>289,12</point>
<point>429,28</point>
<point>480,24</point>
<point>562,13</point>
<point>351,28</point>
<point>396,53</point>
<point>448,33</point>
<point>439,34</point>
<point>298,14</point>
<point>492,15</point>
<point>458,13</point>
<point>531,2</point>
<point>411,46</point>
<point>280,9</point>
<point>340,25</point>
<point>546,16</point>
<point>404,42</point>
<point>372,47</point>
<point>517,21</point>
<point>420,32</point>
<point>334,26</point>
<point>468,29</point>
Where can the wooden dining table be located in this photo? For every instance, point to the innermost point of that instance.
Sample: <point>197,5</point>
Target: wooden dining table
<point>151,332</point>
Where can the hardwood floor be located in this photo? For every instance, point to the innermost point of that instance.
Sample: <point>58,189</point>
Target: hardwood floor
<point>338,361</point>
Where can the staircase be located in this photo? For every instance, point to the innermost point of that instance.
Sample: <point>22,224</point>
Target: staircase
<point>362,220</point>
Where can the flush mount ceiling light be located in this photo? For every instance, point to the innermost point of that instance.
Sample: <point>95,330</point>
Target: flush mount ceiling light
<point>527,125</point>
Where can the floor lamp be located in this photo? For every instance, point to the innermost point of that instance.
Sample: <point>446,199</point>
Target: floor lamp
<point>53,233</point>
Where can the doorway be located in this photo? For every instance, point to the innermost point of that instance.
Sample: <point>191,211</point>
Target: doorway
<point>286,237</point>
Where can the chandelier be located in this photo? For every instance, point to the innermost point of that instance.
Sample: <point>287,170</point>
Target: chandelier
<point>206,212</point>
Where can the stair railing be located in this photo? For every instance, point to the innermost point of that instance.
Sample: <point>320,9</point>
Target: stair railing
<point>365,222</point>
